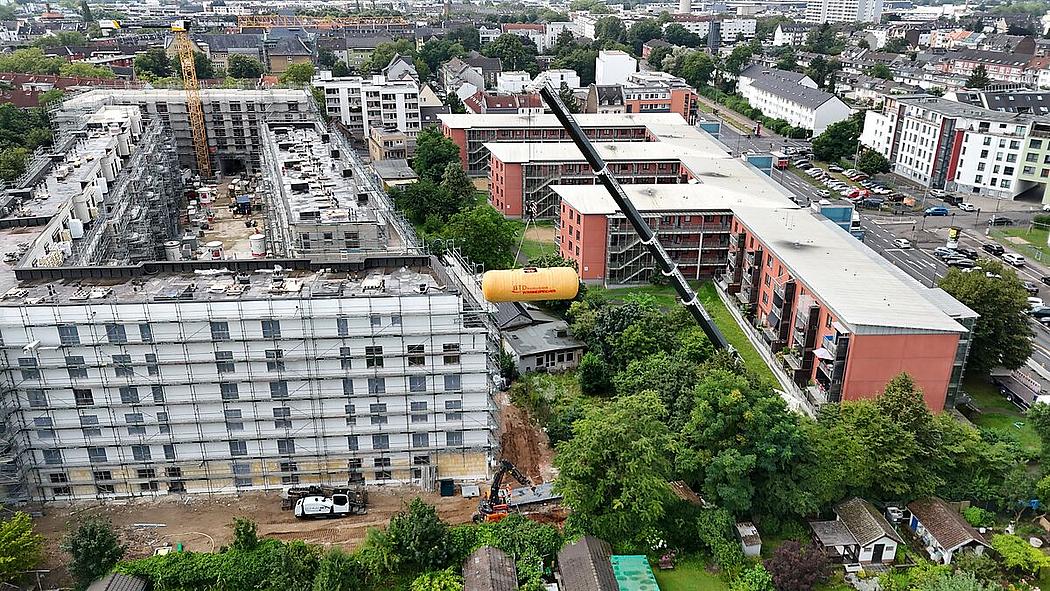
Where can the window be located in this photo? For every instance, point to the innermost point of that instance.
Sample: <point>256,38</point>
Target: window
<point>102,475</point>
<point>1035,144</point>
<point>374,356</point>
<point>271,329</point>
<point>134,421</point>
<point>96,454</point>
<point>451,351</point>
<point>279,389</point>
<point>286,446</point>
<point>417,383</point>
<point>274,360</point>
<point>141,453</point>
<point>376,320</point>
<point>83,397</point>
<point>44,427</point>
<point>116,334</point>
<point>220,331</point>
<point>146,333</point>
<point>345,356</point>
<point>52,457</point>
<point>342,326</point>
<point>105,489</point>
<point>351,442</point>
<point>238,448</point>
<point>420,440</point>
<point>75,366</point>
<point>151,364</point>
<point>145,473</point>
<point>453,382</point>
<point>233,419</point>
<point>348,386</point>
<point>68,335</point>
<point>454,438</point>
<point>122,366</point>
<point>228,391</point>
<point>380,442</point>
<point>395,320</point>
<point>173,472</point>
<point>129,395</point>
<point>282,417</point>
<point>58,478</point>
<point>240,469</point>
<point>376,385</point>
<point>169,452</point>
<point>28,365</point>
<point>416,355</point>
<point>158,394</point>
<point>37,398</point>
<point>224,362</point>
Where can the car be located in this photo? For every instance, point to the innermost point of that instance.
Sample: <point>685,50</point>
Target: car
<point>967,252</point>
<point>824,193</point>
<point>1035,303</point>
<point>1046,207</point>
<point>1013,259</point>
<point>960,263</point>
<point>835,168</point>
<point>872,202</point>
<point>943,252</point>
<point>846,192</point>
<point>812,171</point>
<point>936,211</point>
<point>1031,288</point>
<point>938,193</point>
<point>967,206</point>
<point>1045,279</point>
<point>1000,221</point>
<point>1041,314</point>
<point>902,243</point>
<point>995,249</point>
<point>802,163</point>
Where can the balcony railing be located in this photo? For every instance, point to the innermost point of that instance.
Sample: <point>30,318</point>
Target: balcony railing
<point>793,361</point>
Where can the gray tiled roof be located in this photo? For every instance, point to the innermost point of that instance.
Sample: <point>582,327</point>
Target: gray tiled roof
<point>794,92</point>
<point>489,569</point>
<point>584,566</point>
<point>945,524</point>
<point>223,43</point>
<point>756,70</point>
<point>864,521</point>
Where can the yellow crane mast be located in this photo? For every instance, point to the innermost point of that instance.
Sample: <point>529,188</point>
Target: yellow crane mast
<point>193,98</point>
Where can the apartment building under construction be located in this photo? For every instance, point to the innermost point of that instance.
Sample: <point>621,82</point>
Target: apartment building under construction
<point>197,361</point>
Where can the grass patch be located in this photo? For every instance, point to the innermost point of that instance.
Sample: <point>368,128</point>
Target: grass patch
<point>690,574</point>
<point>1034,245</point>
<point>998,413</point>
<point>665,297</point>
<point>532,247</point>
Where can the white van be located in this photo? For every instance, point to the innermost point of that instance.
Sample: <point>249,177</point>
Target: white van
<point>1013,259</point>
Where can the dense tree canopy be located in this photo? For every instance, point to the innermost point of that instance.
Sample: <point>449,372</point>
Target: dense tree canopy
<point>515,53</point>
<point>839,140</point>
<point>434,152</point>
<point>244,66</point>
<point>298,74</point>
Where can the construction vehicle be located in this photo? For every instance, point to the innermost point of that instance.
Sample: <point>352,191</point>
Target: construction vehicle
<point>184,47</point>
<point>315,500</point>
<point>493,506</point>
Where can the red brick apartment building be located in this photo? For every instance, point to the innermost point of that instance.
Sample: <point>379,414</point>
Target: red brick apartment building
<point>472,132</point>
<point>842,320</point>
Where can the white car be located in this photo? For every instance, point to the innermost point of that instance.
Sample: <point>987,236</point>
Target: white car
<point>902,243</point>
<point>1046,207</point>
<point>824,193</point>
<point>1035,303</point>
<point>1013,259</point>
<point>967,207</point>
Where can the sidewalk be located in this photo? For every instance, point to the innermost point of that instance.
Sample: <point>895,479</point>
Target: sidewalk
<point>740,122</point>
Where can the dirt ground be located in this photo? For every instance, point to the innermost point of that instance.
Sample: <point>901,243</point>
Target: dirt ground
<point>540,233</point>
<point>524,443</point>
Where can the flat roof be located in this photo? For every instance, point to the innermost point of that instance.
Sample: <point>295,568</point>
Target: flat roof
<point>513,120</point>
<point>860,292</point>
<point>567,151</point>
<point>955,109</point>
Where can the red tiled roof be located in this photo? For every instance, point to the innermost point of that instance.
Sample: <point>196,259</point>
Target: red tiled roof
<point>508,27</point>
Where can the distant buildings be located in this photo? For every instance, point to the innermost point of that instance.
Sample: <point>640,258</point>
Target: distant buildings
<point>362,104</point>
<point>792,97</point>
<point>790,34</point>
<point>613,67</point>
<point>843,11</point>
<point>729,29</point>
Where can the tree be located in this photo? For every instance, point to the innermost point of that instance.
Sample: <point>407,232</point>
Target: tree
<point>787,61</point>
<point>1017,555</point>
<point>326,58</point>
<point>50,96</point>
<point>85,12</point>
<point>154,63</point>
<point>384,52</point>
<point>484,236</point>
<point>514,52</point>
<point>613,474</point>
<point>609,29</point>
<point>957,581</point>
<point>441,580</point>
<point>872,162</point>
<point>978,78</point>
<point>459,185</point>
<point>340,69</point>
<point>94,548</point>
<point>298,74</point>
<point>676,34</point>
<point>641,31</point>
<point>593,375</point>
<point>454,104</point>
<point>425,201</point>
<point>244,66</point>
<point>863,44</point>
<point>821,68</point>
<point>60,38</point>
<point>86,70</point>
<point>468,37</point>
<point>895,45</point>
<point>13,163</point>
<point>839,140</point>
<point>695,67</point>
<point>657,56</point>
<point>795,567</point>
<point>245,536</point>
<point>879,71</point>
<point>738,59</point>
<point>434,152</point>
<point>339,571</point>
<point>568,97</point>
<point>582,60</point>
<point>419,536</point>
<point>1039,416</point>
<point>982,567</point>
<point>438,51</point>
<point>1001,335</point>
<point>823,39</point>
<point>20,547</point>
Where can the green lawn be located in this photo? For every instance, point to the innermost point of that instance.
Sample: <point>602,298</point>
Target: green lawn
<point>1034,245</point>
<point>532,248</point>
<point>998,413</point>
<point>665,296</point>
<point>690,574</point>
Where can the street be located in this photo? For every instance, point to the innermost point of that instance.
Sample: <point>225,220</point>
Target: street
<point>740,142</point>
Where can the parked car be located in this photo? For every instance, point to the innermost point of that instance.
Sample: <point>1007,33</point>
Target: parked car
<point>902,243</point>
<point>1013,259</point>
<point>938,193</point>
<point>943,252</point>
<point>967,252</point>
<point>1046,207</point>
<point>1045,279</point>
<point>802,163</point>
<point>835,168</point>
<point>936,211</point>
<point>960,262</point>
<point>1041,314</point>
<point>967,206</point>
<point>1035,303</point>
<point>1000,221</point>
<point>995,249</point>
<point>824,193</point>
<point>1031,288</point>
<point>872,202</point>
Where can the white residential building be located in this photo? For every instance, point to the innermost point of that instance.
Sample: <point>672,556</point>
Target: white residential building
<point>555,78</point>
<point>613,67</point>
<point>512,82</point>
<point>792,97</point>
<point>730,29</point>
<point>844,11</point>
<point>791,34</point>
<point>364,103</point>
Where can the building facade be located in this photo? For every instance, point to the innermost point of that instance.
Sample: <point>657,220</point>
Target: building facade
<point>792,97</point>
<point>844,11</point>
<point>362,104</point>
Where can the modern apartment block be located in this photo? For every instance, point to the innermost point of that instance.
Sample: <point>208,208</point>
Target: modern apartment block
<point>362,104</point>
<point>659,92</point>
<point>791,96</point>
<point>232,119</point>
<point>214,370</point>
<point>943,144</point>
<point>729,29</point>
<point>844,11</point>
<point>472,132</point>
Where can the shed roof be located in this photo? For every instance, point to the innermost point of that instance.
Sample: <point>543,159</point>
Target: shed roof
<point>489,569</point>
<point>584,566</point>
<point>832,533</point>
<point>864,521</point>
<point>945,524</point>
<point>118,582</point>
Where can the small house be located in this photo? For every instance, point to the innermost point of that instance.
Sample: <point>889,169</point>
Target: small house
<point>859,535</point>
<point>943,530</point>
<point>489,569</point>
<point>118,582</point>
<point>750,541</point>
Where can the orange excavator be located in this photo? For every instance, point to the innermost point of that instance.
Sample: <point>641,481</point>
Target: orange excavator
<point>494,507</point>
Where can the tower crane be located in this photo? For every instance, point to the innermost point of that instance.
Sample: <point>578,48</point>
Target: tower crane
<point>193,97</point>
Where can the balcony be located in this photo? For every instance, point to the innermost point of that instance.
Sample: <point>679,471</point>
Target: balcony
<point>744,296</point>
<point>830,344</point>
<point>792,360</point>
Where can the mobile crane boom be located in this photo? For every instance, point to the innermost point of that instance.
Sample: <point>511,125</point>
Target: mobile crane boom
<point>663,260</point>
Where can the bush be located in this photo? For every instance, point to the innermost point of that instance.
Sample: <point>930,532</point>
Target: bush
<point>594,375</point>
<point>978,517</point>
<point>1041,220</point>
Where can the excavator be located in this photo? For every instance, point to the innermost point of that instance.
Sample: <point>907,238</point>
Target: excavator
<point>494,507</point>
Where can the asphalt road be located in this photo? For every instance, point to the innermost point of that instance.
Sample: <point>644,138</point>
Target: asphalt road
<point>739,142</point>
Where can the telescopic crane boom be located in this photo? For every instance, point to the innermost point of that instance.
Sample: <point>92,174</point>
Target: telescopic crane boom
<point>663,260</point>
